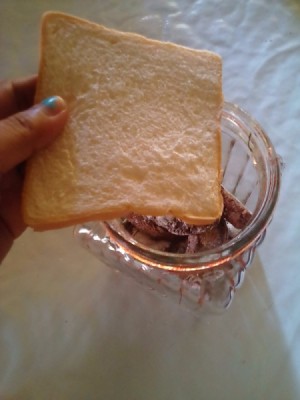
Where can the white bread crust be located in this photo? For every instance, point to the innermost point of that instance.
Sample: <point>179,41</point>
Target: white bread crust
<point>143,134</point>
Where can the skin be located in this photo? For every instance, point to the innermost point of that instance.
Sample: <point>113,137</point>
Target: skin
<point>24,129</point>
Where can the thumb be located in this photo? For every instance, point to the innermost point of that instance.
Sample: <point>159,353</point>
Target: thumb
<point>25,132</point>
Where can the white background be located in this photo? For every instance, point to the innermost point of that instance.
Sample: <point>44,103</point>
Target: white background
<point>71,328</point>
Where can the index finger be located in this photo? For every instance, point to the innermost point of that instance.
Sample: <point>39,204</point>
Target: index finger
<point>16,95</point>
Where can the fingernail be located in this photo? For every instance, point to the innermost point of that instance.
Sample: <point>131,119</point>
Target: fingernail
<point>54,105</point>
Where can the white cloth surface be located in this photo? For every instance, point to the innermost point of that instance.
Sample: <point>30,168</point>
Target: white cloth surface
<point>70,328</point>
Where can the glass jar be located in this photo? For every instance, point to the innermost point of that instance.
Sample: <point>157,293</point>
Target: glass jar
<point>204,281</point>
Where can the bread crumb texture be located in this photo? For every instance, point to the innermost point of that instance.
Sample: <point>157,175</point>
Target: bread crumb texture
<point>143,133</point>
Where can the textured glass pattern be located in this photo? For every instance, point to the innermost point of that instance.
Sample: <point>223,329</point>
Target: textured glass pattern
<point>208,281</point>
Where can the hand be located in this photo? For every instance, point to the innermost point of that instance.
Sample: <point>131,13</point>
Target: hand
<point>24,128</point>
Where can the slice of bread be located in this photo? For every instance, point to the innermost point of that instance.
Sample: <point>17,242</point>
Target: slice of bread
<point>143,134</point>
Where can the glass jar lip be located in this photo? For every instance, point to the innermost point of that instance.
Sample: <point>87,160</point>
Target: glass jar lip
<point>219,255</point>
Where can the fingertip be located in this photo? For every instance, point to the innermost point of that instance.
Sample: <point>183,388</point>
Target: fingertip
<point>51,119</point>
<point>54,105</point>
<point>25,132</point>
<point>50,116</point>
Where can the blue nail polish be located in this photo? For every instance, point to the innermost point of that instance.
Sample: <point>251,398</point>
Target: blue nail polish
<point>50,102</point>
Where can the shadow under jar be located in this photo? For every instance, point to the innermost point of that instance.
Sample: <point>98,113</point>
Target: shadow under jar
<point>206,280</point>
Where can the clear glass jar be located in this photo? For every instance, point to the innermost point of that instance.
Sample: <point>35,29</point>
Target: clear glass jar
<point>205,281</point>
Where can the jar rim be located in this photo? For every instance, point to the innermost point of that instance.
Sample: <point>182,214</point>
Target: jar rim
<point>243,240</point>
